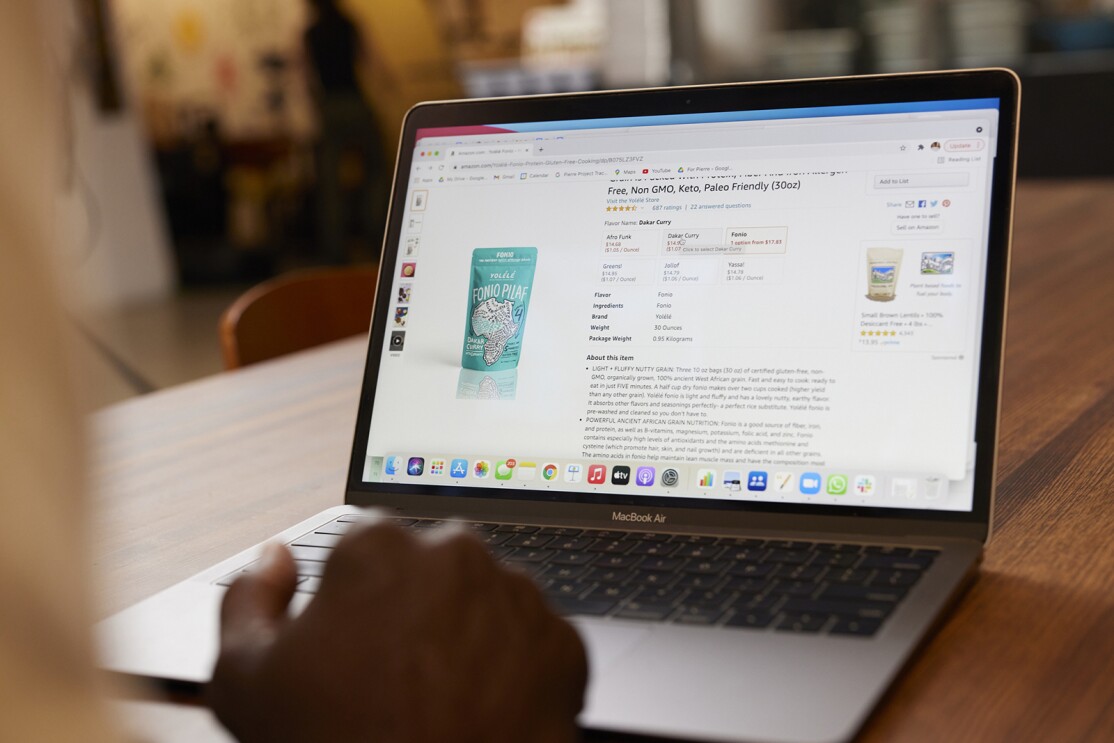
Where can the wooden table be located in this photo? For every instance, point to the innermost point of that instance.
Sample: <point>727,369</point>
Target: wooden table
<point>191,475</point>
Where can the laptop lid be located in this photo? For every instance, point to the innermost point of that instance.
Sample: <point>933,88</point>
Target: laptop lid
<point>774,305</point>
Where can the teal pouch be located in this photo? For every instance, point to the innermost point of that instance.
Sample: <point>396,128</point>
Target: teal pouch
<point>499,295</point>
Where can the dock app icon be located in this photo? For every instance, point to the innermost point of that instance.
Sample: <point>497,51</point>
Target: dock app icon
<point>505,469</point>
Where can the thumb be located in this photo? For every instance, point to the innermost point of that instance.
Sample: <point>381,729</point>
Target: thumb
<point>254,607</point>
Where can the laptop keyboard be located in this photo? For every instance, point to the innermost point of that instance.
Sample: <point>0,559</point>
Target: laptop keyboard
<point>756,584</point>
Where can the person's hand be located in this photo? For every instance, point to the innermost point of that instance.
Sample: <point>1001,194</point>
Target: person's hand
<point>409,640</point>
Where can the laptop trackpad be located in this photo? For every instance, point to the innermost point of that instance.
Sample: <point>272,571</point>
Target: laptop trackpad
<point>606,643</point>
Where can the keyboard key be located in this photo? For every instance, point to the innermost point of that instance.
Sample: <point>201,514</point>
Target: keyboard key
<point>365,517</point>
<point>789,557</point>
<point>692,539</point>
<point>500,552</point>
<point>699,551</point>
<point>886,562</point>
<point>867,593</point>
<point>660,594</point>
<point>319,554</point>
<point>662,549</point>
<point>698,582</point>
<point>565,588</point>
<point>798,572</point>
<point>745,554</point>
<point>529,540</point>
<point>310,568</point>
<point>858,609</point>
<point>564,572</point>
<point>603,534</point>
<point>698,615</point>
<point>570,606</point>
<point>837,559</point>
<point>896,551</point>
<point>646,611</point>
<point>337,527</point>
<point>706,567</point>
<point>565,557</point>
<point>750,570</point>
<point>654,578</point>
<point>560,531</point>
<point>804,623</point>
<point>763,602</point>
<point>748,585</point>
<point>646,536</point>
<point>611,592</point>
<point>308,585</point>
<point>851,576</point>
<point>611,546</point>
<point>709,598</point>
<point>529,569</point>
<point>616,561</point>
<point>493,538</point>
<point>845,548</point>
<point>609,575</point>
<point>516,528</point>
<point>525,554</point>
<point>317,540</point>
<point>903,578</point>
<point>790,545</point>
<point>740,542</point>
<point>750,619</point>
<point>797,588</point>
<point>668,564</point>
<point>571,543</point>
<point>480,526</point>
<point>857,627</point>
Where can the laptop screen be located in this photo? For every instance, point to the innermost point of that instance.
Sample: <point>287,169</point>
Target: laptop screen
<point>765,306</point>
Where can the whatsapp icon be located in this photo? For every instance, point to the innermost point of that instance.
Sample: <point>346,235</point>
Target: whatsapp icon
<point>837,484</point>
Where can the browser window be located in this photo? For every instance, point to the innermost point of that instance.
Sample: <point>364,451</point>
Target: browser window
<point>773,306</point>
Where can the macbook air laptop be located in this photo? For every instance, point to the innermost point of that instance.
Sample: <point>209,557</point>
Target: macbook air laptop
<point>717,366</point>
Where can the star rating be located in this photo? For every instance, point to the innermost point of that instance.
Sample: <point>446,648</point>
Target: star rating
<point>880,333</point>
<point>621,208</point>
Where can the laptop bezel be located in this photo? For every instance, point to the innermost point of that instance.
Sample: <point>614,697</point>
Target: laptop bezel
<point>683,512</point>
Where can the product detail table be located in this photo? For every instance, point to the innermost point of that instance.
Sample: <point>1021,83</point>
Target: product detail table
<point>186,477</point>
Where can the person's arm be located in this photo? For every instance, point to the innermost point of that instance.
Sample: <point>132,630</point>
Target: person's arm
<point>409,640</point>
<point>48,686</point>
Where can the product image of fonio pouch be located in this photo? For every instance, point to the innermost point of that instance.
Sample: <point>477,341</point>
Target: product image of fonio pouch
<point>498,297</point>
<point>883,266</point>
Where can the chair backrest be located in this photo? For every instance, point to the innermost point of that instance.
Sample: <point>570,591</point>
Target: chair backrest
<point>295,311</point>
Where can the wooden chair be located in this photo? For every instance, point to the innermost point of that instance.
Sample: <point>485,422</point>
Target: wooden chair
<point>295,311</point>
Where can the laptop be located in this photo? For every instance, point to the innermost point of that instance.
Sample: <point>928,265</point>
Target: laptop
<point>718,366</point>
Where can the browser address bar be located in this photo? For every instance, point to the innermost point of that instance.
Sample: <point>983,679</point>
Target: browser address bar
<point>490,150</point>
